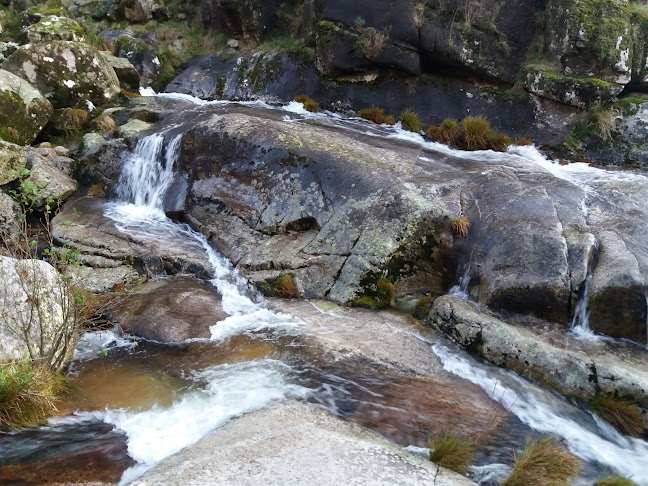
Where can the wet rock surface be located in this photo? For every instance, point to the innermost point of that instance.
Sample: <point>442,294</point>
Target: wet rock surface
<point>330,451</point>
<point>573,368</point>
<point>172,311</point>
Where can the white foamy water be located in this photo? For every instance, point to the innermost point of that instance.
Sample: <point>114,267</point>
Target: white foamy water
<point>222,393</point>
<point>97,343</point>
<point>545,412</point>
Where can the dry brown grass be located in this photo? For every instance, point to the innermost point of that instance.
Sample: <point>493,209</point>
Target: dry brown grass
<point>371,42</point>
<point>285,286</point>
<point>520,142</point>
<point>72,120</point>
<point>543,463</point>
<point>104,124</point>
<point>499,142</point>
<point>621,414</point>
<point>460,226</point>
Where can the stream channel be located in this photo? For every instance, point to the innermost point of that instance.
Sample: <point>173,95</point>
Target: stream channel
<point>137,402</point>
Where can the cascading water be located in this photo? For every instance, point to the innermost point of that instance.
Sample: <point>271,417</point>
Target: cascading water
<point>580,323</point>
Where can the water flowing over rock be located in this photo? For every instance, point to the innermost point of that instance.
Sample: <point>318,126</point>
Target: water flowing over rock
<point>66,72</point>
<point>330,451</point>
<point>24,110</point>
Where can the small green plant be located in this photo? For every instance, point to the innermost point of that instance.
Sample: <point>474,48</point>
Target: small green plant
<point>359,22</point>
<point>410,120</point>
<point>621,414</point>
<point>476,131</point>
<point>543,463</point>
<point>453,452</point>
<point>460,226</point>
<point>27,393</point>
<point>366,302</point>
<point>615,481</point>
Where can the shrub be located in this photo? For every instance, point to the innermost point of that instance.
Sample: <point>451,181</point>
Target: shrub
<point>453,452</point>
<point>460,226</point>
<point>615,481</point>
<point>373,114</point>
<point>104,124</point>
<point>623,415</point>
<point>359,22</point>
<point>543,463</point>
<point>301,99</point>
<point>449,132</point>
<point>476,131</point>
<point>371,42</point>
<point>410,121</point>
<point>520,142</point>
<point>499,142</point>
<point>285,286</point>
<point>312,106</point>
<point>27,393</point>
<point>389,120</point>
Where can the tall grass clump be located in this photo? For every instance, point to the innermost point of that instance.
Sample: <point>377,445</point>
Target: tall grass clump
<point>476,130</point>
<point>543,463</point>
<point>499,142</point>
<point>27,393</point>
<point>376,115</point>
<point>621,414</point>
<point>410,121</point>
<point>615,481</point>
<point>309,104</point>
<point>453,452</point>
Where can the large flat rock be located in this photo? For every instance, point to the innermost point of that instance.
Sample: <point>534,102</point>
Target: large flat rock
<point>296,444</point>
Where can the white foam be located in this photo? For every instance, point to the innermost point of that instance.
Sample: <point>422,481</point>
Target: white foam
<point>230,391</point>
<point>97,343</point>
<point>260,320</point>
<point>546,413</point>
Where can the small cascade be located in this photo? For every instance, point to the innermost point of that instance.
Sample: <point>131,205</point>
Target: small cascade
<point>144,181</point>
<point>461,289</point>
<point>580,323</point>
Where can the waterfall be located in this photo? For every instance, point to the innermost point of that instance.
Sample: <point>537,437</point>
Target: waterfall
<point>144,180</point>
<point>580,323</point>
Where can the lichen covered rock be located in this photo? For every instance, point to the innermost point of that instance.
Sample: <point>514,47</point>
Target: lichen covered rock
<point>52,28</point>
<point>24,111</point>
<point>67,72</point>
<point>49,182</point>
<point>126,72</point>
<point>13,158</point>
<point>579,91</point>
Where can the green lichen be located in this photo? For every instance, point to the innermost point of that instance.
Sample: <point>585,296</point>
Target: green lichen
<point>366,302</point>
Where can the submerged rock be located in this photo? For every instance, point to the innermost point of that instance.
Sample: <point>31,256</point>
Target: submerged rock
<point>262,447</point>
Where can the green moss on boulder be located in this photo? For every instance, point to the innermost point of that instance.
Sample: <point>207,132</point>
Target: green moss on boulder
<point>53,27</point>
<point>68,73</point>
<point>24,111</point>
<point>13,158</point>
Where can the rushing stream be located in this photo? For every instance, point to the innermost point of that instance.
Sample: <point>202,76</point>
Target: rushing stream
<point>157,399</point>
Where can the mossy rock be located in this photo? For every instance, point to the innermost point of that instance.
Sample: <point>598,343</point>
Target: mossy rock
<point>579,91</point>
<point>53,28</point>
<point>283,285</point>
<point>68,73</point>
<point>24,111</point>
<point>128,76</point>
<point>13,158</point>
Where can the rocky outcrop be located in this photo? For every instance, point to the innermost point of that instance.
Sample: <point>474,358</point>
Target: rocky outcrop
<point>330,451</point>
<point>35,311</point>
<point>568,369</point>
<point>24,110</point>
<point>50,183</point>
<point>68,73</point>
<point>125,71</point>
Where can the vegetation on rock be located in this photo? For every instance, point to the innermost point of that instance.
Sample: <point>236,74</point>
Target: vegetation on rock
<point>621,414</point>
<point>410,120</point>
<point>615,481</point>
<point>543,463</point>
<point>377,115</point>
<point>460,226</point>
<point>453,452</point>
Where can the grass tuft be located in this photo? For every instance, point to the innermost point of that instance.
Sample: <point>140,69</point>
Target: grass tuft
<point>373,114</point>
<point>499,142</point>
<point>104,124</point>
<point>410,121</point>
<point>285,286</point>
<point>72,120</point>
<point>615,481</point>
<point>460,227</point>
<point>385,292</point>
<point>309,104</point>
<point>543,463</point>
<point>521,142</point>
<point>453,452</point>
<point>623,415</point>
<point>27,394</point>
<point>476,132</point>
